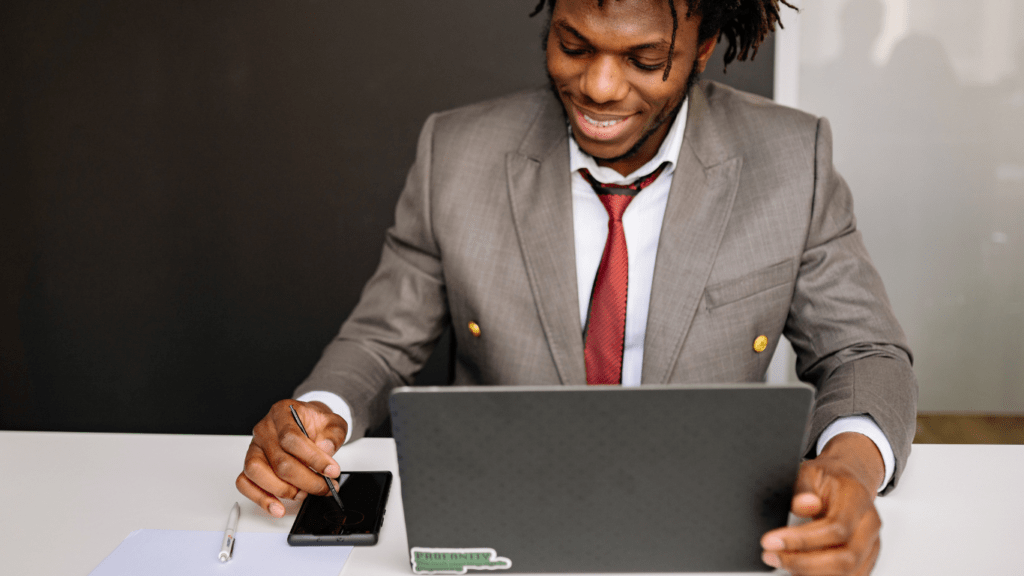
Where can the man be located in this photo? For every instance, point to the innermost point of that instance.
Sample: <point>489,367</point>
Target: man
<point>511,228</point>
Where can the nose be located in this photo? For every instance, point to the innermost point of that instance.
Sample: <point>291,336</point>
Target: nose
<point>604,81</point>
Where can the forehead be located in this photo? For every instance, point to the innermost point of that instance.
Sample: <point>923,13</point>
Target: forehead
<point>618,21</point>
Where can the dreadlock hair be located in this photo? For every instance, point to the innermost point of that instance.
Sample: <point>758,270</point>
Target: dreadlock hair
<point>744,23</point>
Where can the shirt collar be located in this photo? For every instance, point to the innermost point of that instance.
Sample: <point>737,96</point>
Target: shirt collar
<point>668,152</point>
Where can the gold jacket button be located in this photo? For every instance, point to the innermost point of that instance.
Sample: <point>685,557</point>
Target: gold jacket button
<point>760,343</point>
<point>474,329</point>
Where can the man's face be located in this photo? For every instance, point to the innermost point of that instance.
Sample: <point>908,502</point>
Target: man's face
<point>607,65</point>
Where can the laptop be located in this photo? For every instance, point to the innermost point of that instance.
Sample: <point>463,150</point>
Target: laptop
<point>675,478</point>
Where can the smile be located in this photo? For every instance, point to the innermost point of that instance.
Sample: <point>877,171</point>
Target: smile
<point>604,124</point>
<point>604,128</point>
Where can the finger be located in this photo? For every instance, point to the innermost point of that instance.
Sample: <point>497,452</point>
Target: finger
<point>837,527</point>
<point>261,497</point>
<point>323,428</point>
<point>814,535</point>
<point>278,473</point>
<point>845,558</point>
<point>331,429</point>
<point>807,505</point>
<point>322,489</point>
<point>840,520</point>
<point>811,480</point>
<point>271,467</point>
<point>807,491</point>
<point>851,560</point>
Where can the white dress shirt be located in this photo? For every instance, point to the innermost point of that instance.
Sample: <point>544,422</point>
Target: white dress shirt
<point>642,226</point>
<point>641,223</point>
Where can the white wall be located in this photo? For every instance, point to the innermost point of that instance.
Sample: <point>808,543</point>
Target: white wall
<point>926,100</point>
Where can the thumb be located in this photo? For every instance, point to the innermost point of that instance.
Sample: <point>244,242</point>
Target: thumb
<point>807,499</point>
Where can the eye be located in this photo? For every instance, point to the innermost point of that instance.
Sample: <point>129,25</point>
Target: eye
<point>646,67</point>
<point>571,51</point>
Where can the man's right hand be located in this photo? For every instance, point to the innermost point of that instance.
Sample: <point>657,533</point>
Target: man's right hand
<point>281,461</point>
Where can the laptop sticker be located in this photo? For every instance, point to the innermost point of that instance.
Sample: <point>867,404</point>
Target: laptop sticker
<point>456,560</point>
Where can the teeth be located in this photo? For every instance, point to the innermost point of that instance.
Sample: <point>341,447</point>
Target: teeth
<point>604,124</point>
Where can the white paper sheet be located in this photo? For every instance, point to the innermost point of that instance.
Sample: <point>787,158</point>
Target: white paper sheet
<point>178,552</point>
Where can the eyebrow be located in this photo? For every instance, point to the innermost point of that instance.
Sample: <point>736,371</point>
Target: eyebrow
<point>563,25</point>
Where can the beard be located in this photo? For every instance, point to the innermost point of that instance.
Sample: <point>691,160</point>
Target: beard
<point>665,116</point>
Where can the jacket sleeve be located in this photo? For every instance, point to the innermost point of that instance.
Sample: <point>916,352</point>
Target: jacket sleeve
<point>401,313</point>
<point>842,327</point>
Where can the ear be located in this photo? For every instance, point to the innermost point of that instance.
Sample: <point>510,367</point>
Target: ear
<point>704,51</point>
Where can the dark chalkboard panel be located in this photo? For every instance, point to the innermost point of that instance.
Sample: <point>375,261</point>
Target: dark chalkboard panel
<point>193,193</point>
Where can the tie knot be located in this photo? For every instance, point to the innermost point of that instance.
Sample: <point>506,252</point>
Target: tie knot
<point>630,189</point>
<point>616,197</point>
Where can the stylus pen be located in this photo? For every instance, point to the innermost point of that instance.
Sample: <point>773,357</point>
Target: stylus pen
<point>227,546</point>
<point>326,479</point>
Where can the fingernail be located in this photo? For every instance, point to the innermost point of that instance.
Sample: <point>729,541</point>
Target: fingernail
<point>326,446</point>
<point>277,509</point>
<point>773,543</point>
<point>771,559</point>
<point>332,471</point>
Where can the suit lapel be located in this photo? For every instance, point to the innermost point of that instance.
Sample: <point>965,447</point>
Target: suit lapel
<point>703,189</point>
<point>541,201</point>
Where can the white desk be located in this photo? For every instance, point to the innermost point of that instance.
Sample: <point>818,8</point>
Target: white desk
<point>959,509</point>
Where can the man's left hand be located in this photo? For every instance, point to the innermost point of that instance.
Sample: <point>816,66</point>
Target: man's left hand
<point>837,490</point>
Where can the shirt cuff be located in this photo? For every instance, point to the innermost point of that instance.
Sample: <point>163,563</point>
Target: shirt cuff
<point>866,425</point>
<point>336,404</point>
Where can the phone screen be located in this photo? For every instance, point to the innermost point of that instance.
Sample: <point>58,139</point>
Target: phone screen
<point>321,522</point>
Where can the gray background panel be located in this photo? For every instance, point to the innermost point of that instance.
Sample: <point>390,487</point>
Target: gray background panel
<point>192,194</point>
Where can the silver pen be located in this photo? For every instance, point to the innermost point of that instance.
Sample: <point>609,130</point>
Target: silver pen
<point>227,546</point>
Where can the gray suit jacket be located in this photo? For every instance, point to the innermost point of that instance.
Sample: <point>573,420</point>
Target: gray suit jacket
<point>759,237</point>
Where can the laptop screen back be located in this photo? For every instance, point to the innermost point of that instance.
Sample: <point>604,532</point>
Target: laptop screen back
<point>599,479</point>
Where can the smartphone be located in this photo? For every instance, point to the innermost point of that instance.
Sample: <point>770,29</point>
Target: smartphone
<point>320,522</point>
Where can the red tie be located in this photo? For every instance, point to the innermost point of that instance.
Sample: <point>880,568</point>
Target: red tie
<point>605,333</point>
